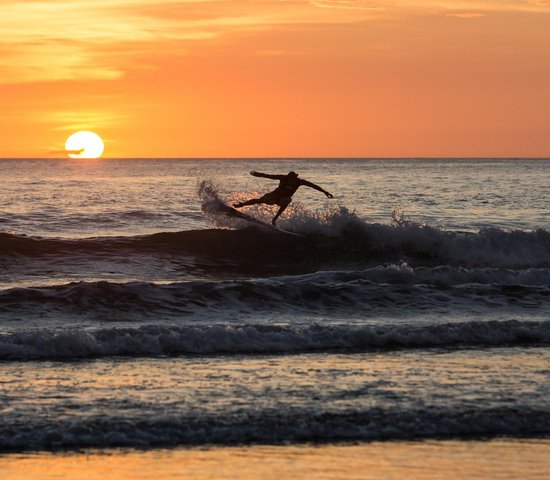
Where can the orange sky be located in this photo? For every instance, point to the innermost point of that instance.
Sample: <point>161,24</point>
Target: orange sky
<point>223,78</point>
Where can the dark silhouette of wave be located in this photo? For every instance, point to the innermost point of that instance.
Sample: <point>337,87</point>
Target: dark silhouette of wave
<point>369,244</point>
<point>155,340</point>
<point>263,426</point>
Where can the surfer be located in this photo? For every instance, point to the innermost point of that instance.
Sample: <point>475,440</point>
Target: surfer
<point>282,195</point>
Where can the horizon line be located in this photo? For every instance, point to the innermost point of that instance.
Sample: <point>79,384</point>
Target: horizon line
<point>431,157</point>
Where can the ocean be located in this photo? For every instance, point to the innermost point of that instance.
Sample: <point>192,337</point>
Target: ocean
<point>412,309</point>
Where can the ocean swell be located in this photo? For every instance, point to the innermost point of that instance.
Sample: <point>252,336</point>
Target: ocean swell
<point>152,340</point>
<point>358,245</point>
<point>372,291</point>
<point>368,424</point>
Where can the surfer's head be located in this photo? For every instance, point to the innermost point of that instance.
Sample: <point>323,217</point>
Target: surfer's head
<point>293,174</point>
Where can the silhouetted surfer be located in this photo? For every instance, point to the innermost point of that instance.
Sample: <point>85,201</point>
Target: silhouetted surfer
<point>282,195</point>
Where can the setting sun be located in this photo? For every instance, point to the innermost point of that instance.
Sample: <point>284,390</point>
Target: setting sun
<point>84,145</point>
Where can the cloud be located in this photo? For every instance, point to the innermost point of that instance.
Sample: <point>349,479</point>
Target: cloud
<point>474,6</point>
<point>466,14</point>
<point>52,60</point>
<point>486,6</point>
<point>67,152</point>
<point>49,40</point>
<point>349,4</point>
<point>66,40</point>
<point>78,120</point>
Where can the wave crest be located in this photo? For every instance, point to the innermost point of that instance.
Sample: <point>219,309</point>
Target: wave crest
<point>261,339</point>
<point>381,290</point>
<point>331,238</point>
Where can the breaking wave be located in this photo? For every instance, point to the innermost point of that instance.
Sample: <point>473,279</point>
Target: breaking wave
<point>153,340</point>
<point>330,238</point>
<point>346,241</point>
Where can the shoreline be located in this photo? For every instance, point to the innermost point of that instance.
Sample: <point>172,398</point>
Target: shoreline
<point>496,458</point>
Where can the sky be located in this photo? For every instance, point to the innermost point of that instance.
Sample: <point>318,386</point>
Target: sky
<point>277,78</point>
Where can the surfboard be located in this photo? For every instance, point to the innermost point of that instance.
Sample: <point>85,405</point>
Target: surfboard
<point>232,212</point>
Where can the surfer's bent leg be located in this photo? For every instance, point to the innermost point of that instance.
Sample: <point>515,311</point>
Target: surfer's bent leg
<point>283,202</point>
<point>254,201</point>
<point>268,198</point>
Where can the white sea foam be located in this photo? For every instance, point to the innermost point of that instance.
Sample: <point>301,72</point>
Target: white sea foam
<point>488,247</point>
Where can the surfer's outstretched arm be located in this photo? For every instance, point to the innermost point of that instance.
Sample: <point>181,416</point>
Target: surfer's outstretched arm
<point>317,187</point>
<point>254,173</point>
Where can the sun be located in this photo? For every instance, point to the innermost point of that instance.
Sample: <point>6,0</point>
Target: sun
<point>84,145</point>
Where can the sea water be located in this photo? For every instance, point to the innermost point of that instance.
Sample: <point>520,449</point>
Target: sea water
<point>414,306</point>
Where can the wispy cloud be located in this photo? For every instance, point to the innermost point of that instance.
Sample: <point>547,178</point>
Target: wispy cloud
<point>97,39</point>
<point>466,14</point>
<point>78,120</point>
<point>47,40</point>
<point>53,60</point>
<point>68,152</point>
<point>350,4</point>
<point>486,6</point>
<point>463,5</point>
<point>59,40</point>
